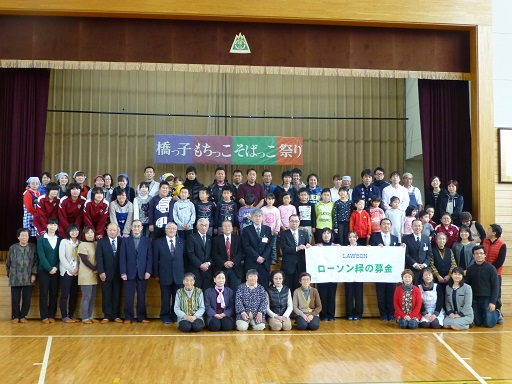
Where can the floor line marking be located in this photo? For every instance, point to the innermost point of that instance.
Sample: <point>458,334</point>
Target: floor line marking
<point>42,375</point>
<point>466,365</point>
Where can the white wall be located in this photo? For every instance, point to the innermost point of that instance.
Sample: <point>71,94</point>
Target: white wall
<point>502,36</point>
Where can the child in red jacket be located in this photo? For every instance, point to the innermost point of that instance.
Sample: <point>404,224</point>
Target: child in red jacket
<point>361,223</point>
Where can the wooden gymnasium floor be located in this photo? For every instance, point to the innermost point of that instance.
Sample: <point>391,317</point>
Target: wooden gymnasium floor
<point>366,351</point>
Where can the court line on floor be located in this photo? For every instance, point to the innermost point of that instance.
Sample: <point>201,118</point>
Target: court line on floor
<point>206,333</point>
<point>42,375</point>
<point>461,360</point>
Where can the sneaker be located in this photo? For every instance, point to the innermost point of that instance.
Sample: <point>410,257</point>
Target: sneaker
<point>501,320</point>
<point>357,317</point>
<point>350,318</point>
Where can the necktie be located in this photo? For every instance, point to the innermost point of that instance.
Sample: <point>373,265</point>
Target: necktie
<point>385,239</point>
<point>295,238</point>
<point>228,248</point>
<point>172,247</point>
<point>203,237</point>
<point>258,230</point>
<point>114,248</point>
<point>418,240</point>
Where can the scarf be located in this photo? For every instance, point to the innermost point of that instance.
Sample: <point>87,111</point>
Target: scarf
<point>220,297</point>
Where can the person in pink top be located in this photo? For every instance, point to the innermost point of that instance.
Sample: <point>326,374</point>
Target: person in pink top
<point>272,218</point>
<point>286,210</point>
<point>410,216</point>
<point>376,214</point>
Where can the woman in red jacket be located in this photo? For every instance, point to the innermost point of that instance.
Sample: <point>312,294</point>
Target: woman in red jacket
<point>407,302</point>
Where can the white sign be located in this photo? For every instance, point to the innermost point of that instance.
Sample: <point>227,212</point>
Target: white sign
<point>351,264</point>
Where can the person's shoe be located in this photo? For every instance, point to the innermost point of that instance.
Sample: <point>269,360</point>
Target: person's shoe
<point>501,320</point>
<point>104,321</point>
<point>68,320</point>
<point>88,321</point>
<point>15,321</point>
<point>51,320</point>
<point>127,321</point>
<point>144,321</point>
<point>350,318</point>
<point>391,318</point>
<point>118,320</point>
<point>45,321</point>
<point>23,320</point>
<point>95,321</point>
<point>384,318</point>
<point>166,321</point>
<point>357,318</point>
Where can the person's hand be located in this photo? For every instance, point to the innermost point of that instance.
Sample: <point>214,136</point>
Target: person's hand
<point>245,316</point>
<point>432,317</point>
<point>447,279</point>
<point>215,231</point>
<point>308,245</point>
<point>151,228</point>
<point>407,317</point>
<point>126,236</point>
<point>456,315</point>
<point>204,267</point>
<point>103,276</point>
<point>147,275</point>
<point>124,277</point>
<point>335,230</point>
<point>305,317</point>
<point>32,279</point>
<point>260,260</point>
<point>309,318</point>
<point>259,317</point>
<point>217,316</point>
<point>192,318</point>
<point>53,271</point>
<point>440,278</point>
<point>492,307</point>
<point>451,315</point>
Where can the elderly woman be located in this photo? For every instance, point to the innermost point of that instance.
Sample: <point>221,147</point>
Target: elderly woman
<point>442,262</point>
<point>463,249</point>
<point>458,301</point>
<point>306,304</point>
<point>30,197</point>
<point>219,302</point>
<point>189,305</point>
<point>407,302</point>
<point>21,266</point>
<point>432,298</point>
<point>251,304</point>
<point>453,203</point>
<point>280,304</point>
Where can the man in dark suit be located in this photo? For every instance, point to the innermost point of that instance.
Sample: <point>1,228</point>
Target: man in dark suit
<point>229,261</point>
<point>385,291</point>
<point>135,265</point>
<point>168,259</point>
<point>107,261</point>
<point>294,242</point>
<point>418,251</point>
<point>257,244</point>
<point>199,254</point>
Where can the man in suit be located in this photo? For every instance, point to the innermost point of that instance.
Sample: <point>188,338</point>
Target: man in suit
<point>294,242</point>
<point>199,254</point>
<point>168,260</point>
<point>107,262</point>
<point>257,244</point>
<point>135,265</point>
<point>385,291</point>
<point>228,255</point>
<point>418,251</point>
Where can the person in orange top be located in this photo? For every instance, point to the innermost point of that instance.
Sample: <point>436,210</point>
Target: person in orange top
<point>361,223</point>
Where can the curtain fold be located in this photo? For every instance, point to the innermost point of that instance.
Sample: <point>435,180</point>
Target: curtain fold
<point>446,134</point>
<point>23,111</point>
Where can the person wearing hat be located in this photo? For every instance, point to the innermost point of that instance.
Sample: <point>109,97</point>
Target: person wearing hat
<point>62,179</point>
<point>414,193</point>
<point>30,197</point>
<point>346,181</point>
<point>47,206</point>
<point>79,177</point>
<point>366,190</point>
<point>251,304</point>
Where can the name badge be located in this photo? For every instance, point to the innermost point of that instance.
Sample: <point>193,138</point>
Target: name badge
<point>264,239</point>
<point>425,247</point>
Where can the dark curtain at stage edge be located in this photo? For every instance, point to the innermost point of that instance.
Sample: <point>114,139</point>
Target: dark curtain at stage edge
<point>23,109</point>
<point>446,134</point>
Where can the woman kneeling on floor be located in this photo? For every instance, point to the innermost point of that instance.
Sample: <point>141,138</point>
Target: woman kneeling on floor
<point>458,300</point>
<point>189,305</point>
<point>407,302</point>
<point>307,304</point>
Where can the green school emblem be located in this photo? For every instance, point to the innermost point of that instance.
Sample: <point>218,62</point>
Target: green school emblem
<point>240,45</point>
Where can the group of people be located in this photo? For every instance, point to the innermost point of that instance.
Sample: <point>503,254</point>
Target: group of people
<point>232,228</point>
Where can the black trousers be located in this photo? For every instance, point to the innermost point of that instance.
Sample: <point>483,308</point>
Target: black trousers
<point>385,296</point>
<point>302,324</point>
<point>168,296</point>
<point>48,293</point>
<point>354,299</point>
<point>68,294</point>
<point>187,326</point>
<point>21,294</point>
<point>327,292</point>
<point>224,324</point>
<point>110,298</point>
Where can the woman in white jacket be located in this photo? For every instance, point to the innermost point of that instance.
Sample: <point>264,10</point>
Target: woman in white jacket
<point>68,266</point>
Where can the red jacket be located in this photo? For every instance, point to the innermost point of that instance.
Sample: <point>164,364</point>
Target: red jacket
<point>71,212</point>
<point>361,223</point>
<point>44,210</point>
<point>452,234</point>
<point>495,253</point>
<point>30,200</point>
<point>416,303</point>
<point>96,216</point>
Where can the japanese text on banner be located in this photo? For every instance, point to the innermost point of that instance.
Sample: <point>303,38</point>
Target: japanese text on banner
<point>350,264</point>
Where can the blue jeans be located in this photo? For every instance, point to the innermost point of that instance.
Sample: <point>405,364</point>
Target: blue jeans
<point>482,314</point>
<point>411,324</point>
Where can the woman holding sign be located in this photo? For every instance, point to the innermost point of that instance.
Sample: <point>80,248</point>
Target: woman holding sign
<point>327,291</point>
